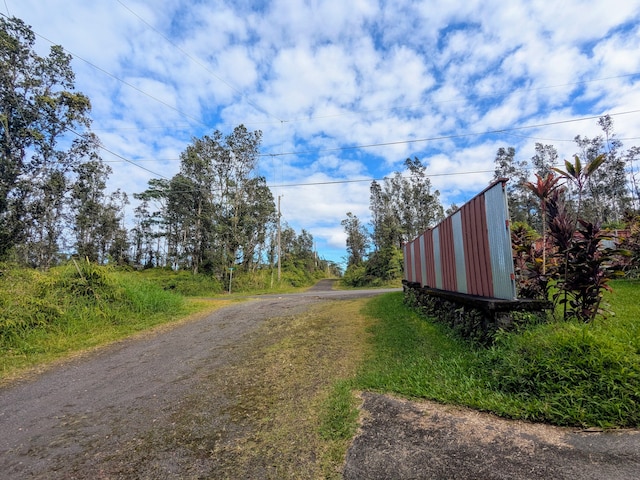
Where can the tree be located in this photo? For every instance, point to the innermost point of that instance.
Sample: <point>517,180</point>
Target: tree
<point>544,160</point>
<point>630,158</point>
<point>582,264</point>
<point>245,204</point>
<point>385,218</point>
<point>420,206</point>
<point>605,192</point>
<point>38,108</point>
<point>98,217</point>
<point>216,211</point>
<point>403,207</point>
<point>357,239</point>
<point>303,246</point>
<point>152,230</point>
<point>520,202</point>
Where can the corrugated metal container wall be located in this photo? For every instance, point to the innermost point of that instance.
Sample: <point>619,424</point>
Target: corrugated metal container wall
<point>417,274</point>
<point>476,247</point>
<point>429,258</point>
<point>499,236</point>
<point>408,274</point>
<point>423,260</point>
<point>447,252</point>
<point>461,272</point>
<point>405,263</point>
<point>470,251</point>
<point>437,255</point>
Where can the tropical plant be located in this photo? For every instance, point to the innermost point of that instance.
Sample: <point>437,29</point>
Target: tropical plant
<point>581,265</point>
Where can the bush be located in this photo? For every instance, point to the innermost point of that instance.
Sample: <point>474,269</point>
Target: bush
<point>355,276</point>
<point>185,282</point>
<point>43,311</point>
<point>26,302</point>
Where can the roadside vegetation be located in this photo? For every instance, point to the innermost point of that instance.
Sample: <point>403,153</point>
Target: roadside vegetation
<point>194,244</point>
<point>564,373</point>
<point>68,309</point>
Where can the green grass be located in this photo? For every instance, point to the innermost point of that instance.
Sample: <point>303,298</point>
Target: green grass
<point>260,281</point>
<point>46,316</point>
<point>338,419</point>
<point>50,315</point>
<point>564,373</point>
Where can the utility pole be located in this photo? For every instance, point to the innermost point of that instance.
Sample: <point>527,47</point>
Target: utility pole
<point>279,264</point>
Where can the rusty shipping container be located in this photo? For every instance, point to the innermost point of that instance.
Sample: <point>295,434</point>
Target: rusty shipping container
<point>468,252</point>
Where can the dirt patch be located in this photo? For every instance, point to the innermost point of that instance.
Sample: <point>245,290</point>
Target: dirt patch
<point>402,439</point>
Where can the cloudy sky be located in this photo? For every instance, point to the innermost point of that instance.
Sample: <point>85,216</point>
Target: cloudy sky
<point>345,90</point>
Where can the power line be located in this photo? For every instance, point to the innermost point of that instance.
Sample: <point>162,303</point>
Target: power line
<point>475,97</point>
<point>124,159</point>
<point>344,148</point>
<point>445,137</point>
<point>124,82</point>
<point>361,180</point>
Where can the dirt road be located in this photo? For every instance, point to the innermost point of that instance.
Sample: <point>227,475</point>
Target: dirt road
<point>119,413</point>
<point>83,418</point>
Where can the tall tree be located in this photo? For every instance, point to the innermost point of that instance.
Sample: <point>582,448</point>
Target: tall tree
<point>152,232</point>
<point>605,195</point>
<point>217,209</point>
<point>404,206</point>
<point>97,219</point>
<point>385,218</point>
<point>545,158</point>
<point>631,158</point>
<point>420,206</point>
<point>357,239</point>
<point>38,108</point>
<point>520,201</point>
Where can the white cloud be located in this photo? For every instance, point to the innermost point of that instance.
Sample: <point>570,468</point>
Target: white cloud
<point>317,77</point>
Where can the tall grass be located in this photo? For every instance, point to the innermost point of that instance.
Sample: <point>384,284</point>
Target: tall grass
<point>47,315</point>
<point>262,280</point>
<point>565,373</point>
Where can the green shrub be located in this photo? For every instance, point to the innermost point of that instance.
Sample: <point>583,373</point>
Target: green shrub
<point>355,276</point>
<point>185,282</point>
<point>75,306</point>
<point>83,279</point>
<point>26,302</point>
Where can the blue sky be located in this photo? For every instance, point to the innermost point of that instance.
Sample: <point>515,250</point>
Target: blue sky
<point>346,90</point>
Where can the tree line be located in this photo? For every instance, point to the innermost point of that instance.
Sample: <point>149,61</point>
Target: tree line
<point>216,213</point>
<point>404,205</point>
<point>606,196</point>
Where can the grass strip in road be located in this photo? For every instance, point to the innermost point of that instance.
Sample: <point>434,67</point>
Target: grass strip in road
<point>275,401</point>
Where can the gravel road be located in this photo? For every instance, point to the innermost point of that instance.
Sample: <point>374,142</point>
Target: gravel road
<point>79,419</point>
<point>90,416</point>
